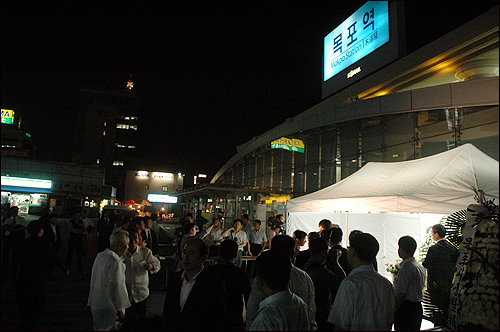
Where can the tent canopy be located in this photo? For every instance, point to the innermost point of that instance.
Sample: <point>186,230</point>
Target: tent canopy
<point>441,184</point>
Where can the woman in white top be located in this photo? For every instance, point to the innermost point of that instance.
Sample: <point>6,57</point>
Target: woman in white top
<point>108,296</point>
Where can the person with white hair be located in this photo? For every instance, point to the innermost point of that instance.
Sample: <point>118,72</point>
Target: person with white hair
<point>108,296</point>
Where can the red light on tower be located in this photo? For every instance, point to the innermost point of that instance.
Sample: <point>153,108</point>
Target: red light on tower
<point>130,84</point>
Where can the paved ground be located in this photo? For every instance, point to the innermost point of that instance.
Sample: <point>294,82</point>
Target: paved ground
<point>66,306</point>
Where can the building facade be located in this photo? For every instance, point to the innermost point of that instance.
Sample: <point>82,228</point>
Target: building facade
<point>440,96</point>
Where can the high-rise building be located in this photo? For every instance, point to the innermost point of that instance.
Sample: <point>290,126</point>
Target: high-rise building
<point>107,132</point>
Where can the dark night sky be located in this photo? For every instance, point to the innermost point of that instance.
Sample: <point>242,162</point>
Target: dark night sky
<point>211,75</point>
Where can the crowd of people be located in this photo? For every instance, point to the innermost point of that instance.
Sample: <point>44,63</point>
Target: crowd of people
<point>323,288</point>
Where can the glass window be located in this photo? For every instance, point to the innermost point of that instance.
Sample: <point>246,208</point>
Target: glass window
<point>164,188</point>
<point>399,129</point>
<point>328,145</point>
<point>327,174</point>
<point>312,178</point>
<point>122,126</point>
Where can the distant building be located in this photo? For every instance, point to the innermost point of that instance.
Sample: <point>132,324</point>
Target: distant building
<point>107,133</point>
<point>16,142</point>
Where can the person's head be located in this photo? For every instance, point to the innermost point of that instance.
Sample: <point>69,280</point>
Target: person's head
<point>284,244</point>
<point>256,224</point>
<point>53,219</point>
<point>280,218</point>
<point>244,219</point>
<point>148,222</point>
<point>189,217</point>
<point>319,249</point>
<point>324,224</point>
<point>14,210</point>
<point>118,242</point>
<point>311,236</point>
<point>106,213</point>
<point>438,232</point>
<point>216,223</point>
<point>300,237</point>
<point>336,235</point>
<point>228,249</point>
<point>363,248</point>
<point>194,254</point>
<point>189,229</point>
<point>133,235</point>
<point>89,229</point>
<point>198,212</point>
<point>126,223</point>
<point>326,234</point>
<point>35,228</point>
<point>237,225</point>
<point>77,215</point>
<point>353,234</point>
<point>139,223</point>
<point>407,246</point>
<point>273,270</point>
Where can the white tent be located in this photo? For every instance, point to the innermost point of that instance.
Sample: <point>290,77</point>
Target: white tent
<point>411,195</point>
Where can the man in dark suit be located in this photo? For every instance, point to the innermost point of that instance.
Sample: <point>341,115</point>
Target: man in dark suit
<point>149,235</point>
<point>195,299</point>
<point>52,232</point>
<point>105,226</point>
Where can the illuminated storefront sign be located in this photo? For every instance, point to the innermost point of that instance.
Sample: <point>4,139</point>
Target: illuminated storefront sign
<point>288,144</point>
<point>7,116</point>
<point>362,33</point>
<point>25,182</point>
<point>156,198</point>
<point>165,176</point>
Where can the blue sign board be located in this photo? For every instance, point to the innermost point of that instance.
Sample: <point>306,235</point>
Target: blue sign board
<point>361,34</point>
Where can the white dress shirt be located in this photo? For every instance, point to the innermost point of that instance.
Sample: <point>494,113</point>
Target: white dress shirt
<point>17,221</point>
<point>283,311</point>
<point>107,284</point>
<point>137,279</point>
<point>411,280</point>
<point>186,287</point>
<point>300,284</point>
<point>240,238</point>
<point>364,301</point>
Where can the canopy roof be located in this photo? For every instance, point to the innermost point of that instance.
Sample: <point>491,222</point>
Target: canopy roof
<point>442,184</point>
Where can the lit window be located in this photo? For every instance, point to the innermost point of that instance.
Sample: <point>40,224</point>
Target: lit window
<point>97,161</point>
<point>117,163</point>
<point>122,126</point>
<point>146,186</point>
<point>134,127</point>
<point>120,145</point>
<point>131,146</point>
<point>133,118</point>
<point>164,188</point>
<point>104,124</point>
<point>104,133</point>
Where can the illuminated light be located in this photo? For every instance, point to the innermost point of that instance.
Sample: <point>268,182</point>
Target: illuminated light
<point>353,72</point>
<point>156,198</point>
<point>130,84</point>
<point>25,182</point>
<point>202,175</point>
<point>166,176</point>
<point>142,174</point>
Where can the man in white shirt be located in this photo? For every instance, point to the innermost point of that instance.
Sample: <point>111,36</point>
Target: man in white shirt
<point>281,310</point>
<point>409,287</point>
<point>138,260</point>
<point>365,299</point>
<point>237,234</point>
<point>108,297</point>
<point>300,283</point>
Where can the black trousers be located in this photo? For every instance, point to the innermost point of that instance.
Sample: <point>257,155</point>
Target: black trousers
<point>75,243</point>
<point>408,317</point>
<point>255,249</point>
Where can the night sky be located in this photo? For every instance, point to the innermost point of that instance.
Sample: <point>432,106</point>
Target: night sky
<point>211,75</point>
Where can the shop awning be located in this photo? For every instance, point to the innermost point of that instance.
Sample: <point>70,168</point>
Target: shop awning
<point>27,190</point>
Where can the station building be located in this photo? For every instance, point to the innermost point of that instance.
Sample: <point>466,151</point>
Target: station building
<point>388,106</point>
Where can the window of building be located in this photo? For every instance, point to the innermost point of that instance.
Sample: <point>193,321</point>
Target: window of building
<point>164,188</point>
<point>117,163</point>
<point>104,133</point>
<point>146,187</point>
<point>131,146</point>
<point>122,126</point>
<point>133,127</point>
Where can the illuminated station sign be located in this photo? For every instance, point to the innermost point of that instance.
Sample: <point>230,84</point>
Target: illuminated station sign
<point>362,33</point>
<point>157,198</point>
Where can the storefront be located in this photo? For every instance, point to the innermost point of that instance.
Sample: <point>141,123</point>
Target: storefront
<point>30,195</point>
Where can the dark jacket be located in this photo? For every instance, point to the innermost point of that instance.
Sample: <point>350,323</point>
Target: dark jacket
<point>205,308</point>
<point>49,236</point>
<point>152,243</point>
